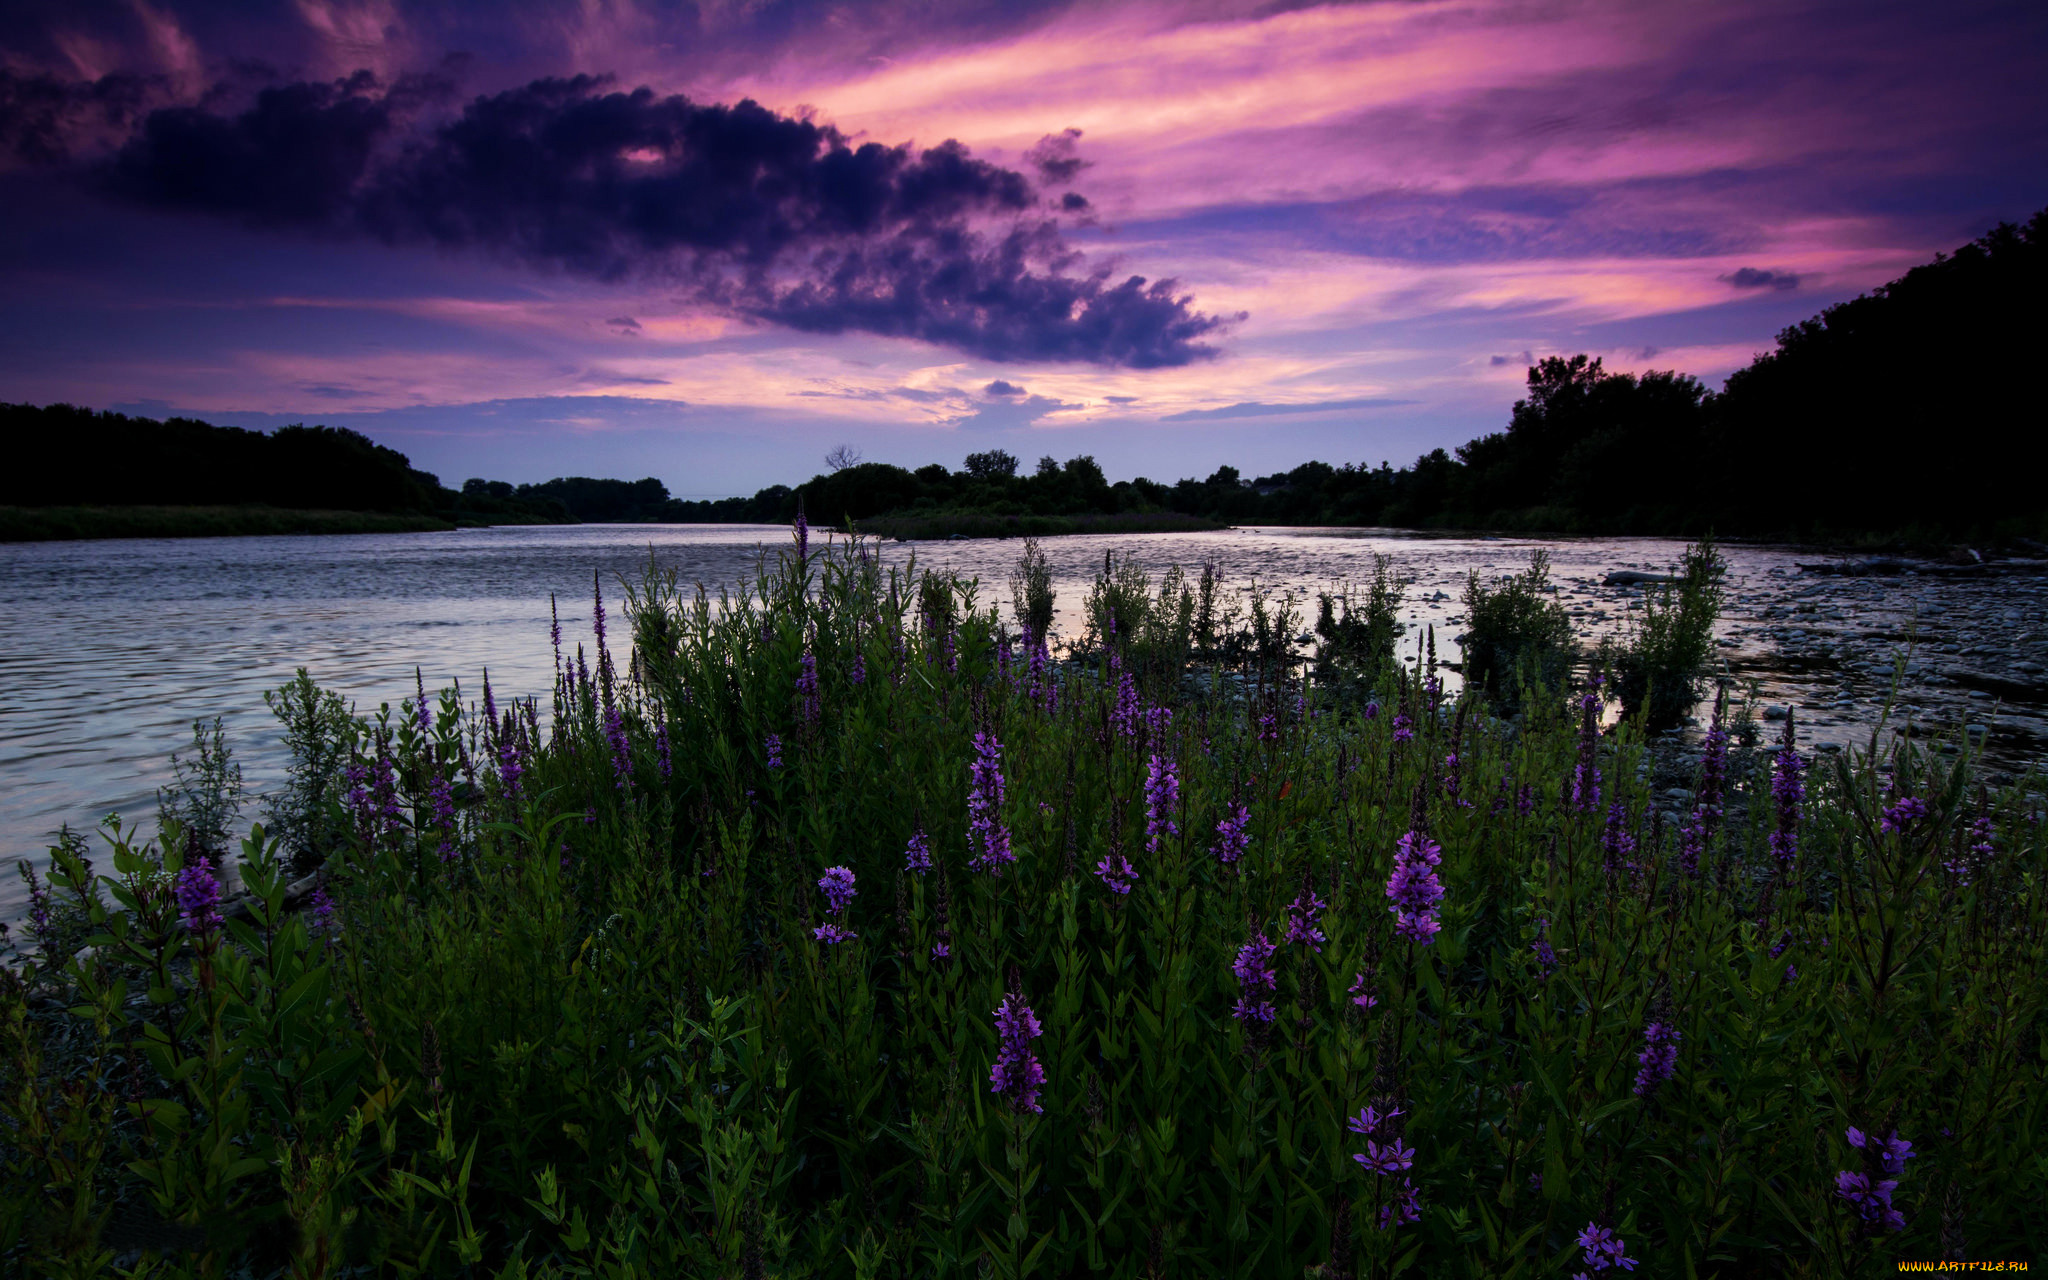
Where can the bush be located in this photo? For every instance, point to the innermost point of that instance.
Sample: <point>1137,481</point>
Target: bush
<point>1356,648</point>
<point>1660,667</point>
<point>1518,641</point>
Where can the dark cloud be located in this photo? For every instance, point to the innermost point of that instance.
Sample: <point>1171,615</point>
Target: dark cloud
<point>774,217</point>
<point>1526,358</point>
<point>1121,399</point>
<point>1010,414</point>
<point>1000,389</point>
<point>1255,409</point>
<point>1754,278</point>
<point>1057,157</point>
<point>42,119</point>
<point>626,325</point>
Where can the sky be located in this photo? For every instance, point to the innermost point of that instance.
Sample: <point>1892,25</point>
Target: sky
<point>527,238</point>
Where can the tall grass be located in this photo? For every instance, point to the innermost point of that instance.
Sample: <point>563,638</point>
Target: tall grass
<point>583,992</point>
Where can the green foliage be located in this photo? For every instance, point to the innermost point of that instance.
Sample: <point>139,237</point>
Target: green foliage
<point>1356,648</point>
<point>1660,667</point>
<point>1031,593</point>
<point>1518,642</point>
<point>586,1026</point>
<point>318,736</point>
<point>206,791</point>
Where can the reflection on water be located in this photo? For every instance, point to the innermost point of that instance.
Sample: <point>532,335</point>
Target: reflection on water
<point>109,650</point>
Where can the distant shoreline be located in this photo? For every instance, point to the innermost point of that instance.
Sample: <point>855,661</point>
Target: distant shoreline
<point>78,524</point>
<point>977,524</point>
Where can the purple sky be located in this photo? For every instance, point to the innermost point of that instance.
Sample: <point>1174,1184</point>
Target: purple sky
<point>709,243</point>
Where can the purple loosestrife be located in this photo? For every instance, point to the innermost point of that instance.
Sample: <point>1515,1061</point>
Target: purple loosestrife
<point>774,745</point>
<point>1980,852</point>
<point>1404,728</point>
<point>1125,717</point>
<point>1617,846</point>
<point>859,674</point>
<point>1304,921</point>
<point>1269,728</point>
<point>1414,888</point>
<point>661,756</point>
<point>1016,1073</point>
<point>1372,710</point>
<point>320,911</point>
<point>555,632</point>
<point>441,814</point>
<point>1361,995</point>
<point>39,919</point>
<point>198,894</point>
<point>985,830</point>
<point>1902,814</point>
<point>1452,782</point>
<point>1233,835</point>
<point>1116,872</point>
<point>1869,1192</point>
<point>511,757</point>
<point>1603,1251</point>
<point>1787,790</point>
<point>917,855</point>
<point>1659,1058</point>
<point>1256,982</point>
<point>490,706</point>
<point>837,886</point>
<point>1384,1156</point>
<point>422,719</point>
<point>801,528</point>
<point>1585,783</point>
<point>622,750</point>
<point>807,688</point>
<point>1162,797</point>
<point>1546,958</point>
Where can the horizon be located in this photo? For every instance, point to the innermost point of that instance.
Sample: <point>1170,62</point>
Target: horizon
<point>1356,226</point>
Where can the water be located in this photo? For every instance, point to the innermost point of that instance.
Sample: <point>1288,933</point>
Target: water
<point>110,650</point>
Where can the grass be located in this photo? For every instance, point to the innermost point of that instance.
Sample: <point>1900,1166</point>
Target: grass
<point>574,1009</point>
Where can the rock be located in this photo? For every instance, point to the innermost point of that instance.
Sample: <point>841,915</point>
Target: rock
<point>1776,713</point>
<point>1633,577</point>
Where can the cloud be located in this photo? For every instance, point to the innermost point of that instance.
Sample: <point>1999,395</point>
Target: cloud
<point>1010,414</point>
<point>1753,278</point>
<point>1001,389</point>
<point>758,214</point>
<point>627,326</point>
<point>1056,156</point>
<point>1255,409</point>
<point>1526,358</point>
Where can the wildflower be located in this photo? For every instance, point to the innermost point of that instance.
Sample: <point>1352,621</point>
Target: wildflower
<point>1304,918</point>
<point>1232,835</point>
<point>1525,800</point>
<point>1585,782</point>
<point>661,757</point>
<point>1390,1157</point>
<point>1415,889</point>
<point>1604,1251</point>
<point>1907,811</point>
<point>1791,974</point>
<point>320,911</point>
<point>1452,782</point>
<point>837,886</point>
<point>1361,997</point>
<point>1659,1058</point>
<point>1162,796</point>
<point>917,855</point>
<point>198,893</point>
<point>985,829</point>
<point>1369,1119</point>
<point>511,757</point>
<point>1016,1073</point>
<point>802,528</point>
<point>774,751</point>
<point>1787,790</point>
<point>1404,728</point>
<point>441,813</point>
<point>1372,710</point>
<point>1124,717</point>
<point>1404,1208</point>
<point>807,688</point>
<point>1890,1153</point>
<point>1116,872</point>
<point>1256,981</point>
<point>39,918</point>
<point>1617,846</point>
<point>1546,959</point>
<point>1872,1200</point>
<point>622,749</point>
<point>859,674</point>
<point>1387,1158</point>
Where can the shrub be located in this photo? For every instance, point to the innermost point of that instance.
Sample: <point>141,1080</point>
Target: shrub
<point>1660,667</point>
<point>1518,641</point>
<point>1357,646</point>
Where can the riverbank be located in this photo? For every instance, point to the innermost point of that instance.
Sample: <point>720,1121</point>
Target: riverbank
<point>63,524</point>
<point>981,524</point>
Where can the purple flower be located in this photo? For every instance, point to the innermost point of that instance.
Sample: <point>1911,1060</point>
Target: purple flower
<point>1787,790</point>
<point>1525,800</point>
<point>1659,1058</point>
<point>39,919</point>
<point>1415,889</point>
<point>1257,982</point>
<point>1452,783</point>
<point>1162,796</point>
<point>1232,836</point>
<point>859,674</point>
<point>1604,1251</point>
<point>831,933</point>
<point>985,793</point>
<point>1124,716</point>
<point>1872,1200</point>
<point>622,749</point>
<point>1404,1208</point>
<point>807,688</point>
<point>661,748</point>
<point>511,756</point>
<point>802,528</point>
<point>941,951</point>
<point>320,912</point>
<point>1791,974</point>
<point>1369,1119</point>
<point>1617,846</point>
<point>1361,997</point>
<point>1116,872</point>
<point>837,886</point>
<point>198,893</point>
<point>1016,1073</point>
<point>1907,811</point>
<point>441,813</point>
<point>1585,783</point>
<point>1304,918</point>
<point>917,855</point>
<point>774,751</point>
<point>1390,1157</point>
<point>1890,1153</point>
<point>1404,728</point>
<point>1372,710</point>
<point>1546,959</point>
